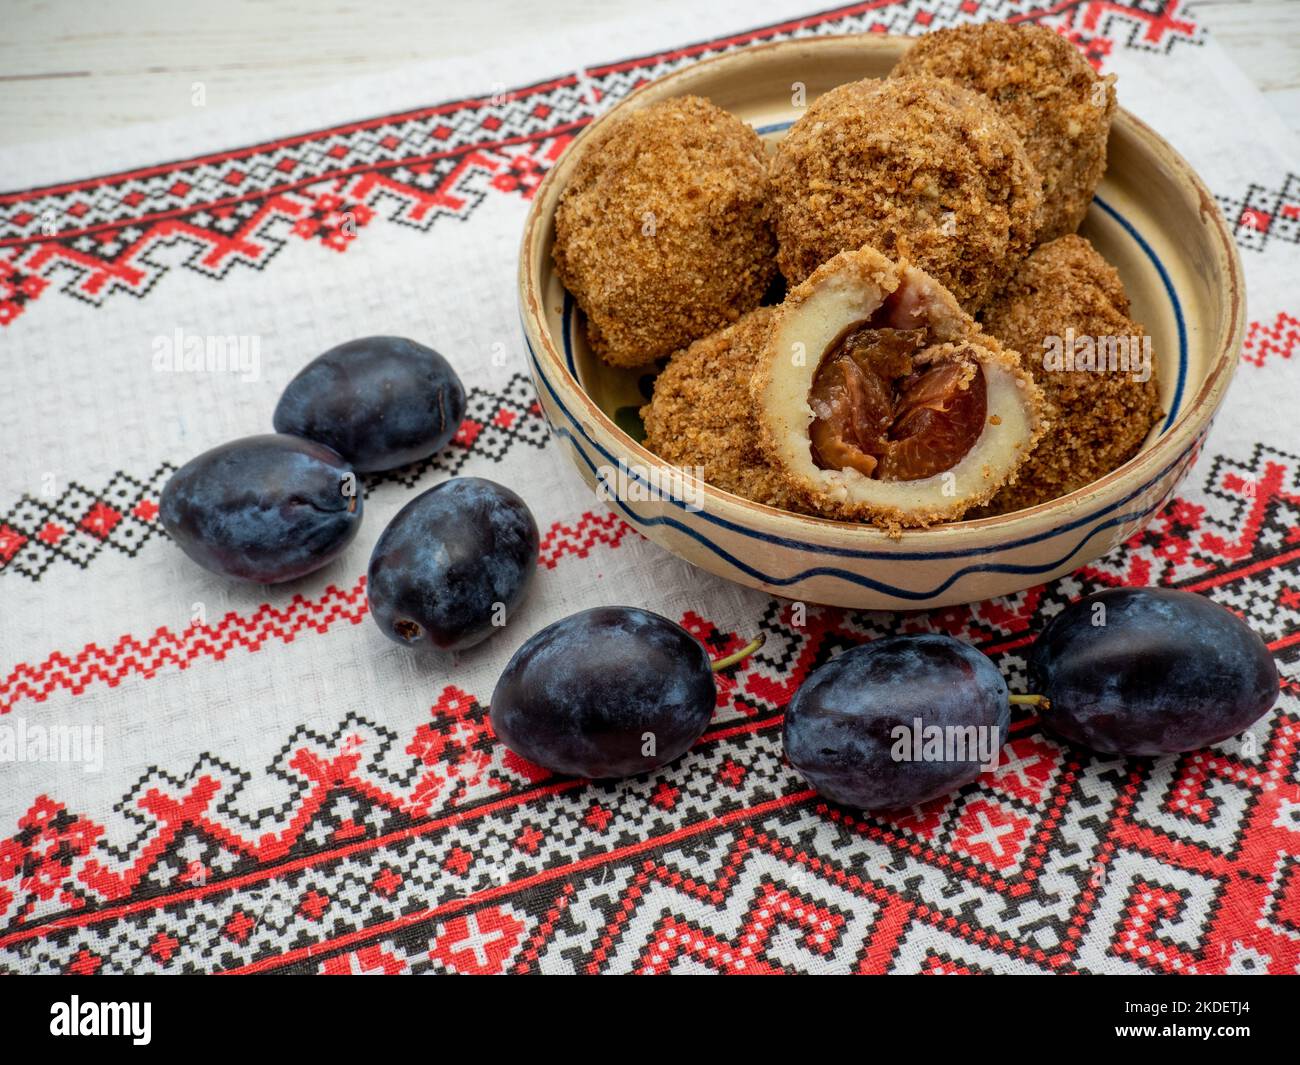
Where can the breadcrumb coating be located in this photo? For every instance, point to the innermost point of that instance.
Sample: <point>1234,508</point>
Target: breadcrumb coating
<point>702,414</point>
<point>1099,419</point>
<point>919,168</point>
<point>863,285</point>
<point>662,233</point>
<point>1048,93</point>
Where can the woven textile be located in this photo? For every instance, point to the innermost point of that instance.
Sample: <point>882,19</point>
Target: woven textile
<point>280,788</point>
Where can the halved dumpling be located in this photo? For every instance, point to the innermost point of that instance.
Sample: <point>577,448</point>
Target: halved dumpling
<point>881,400</point>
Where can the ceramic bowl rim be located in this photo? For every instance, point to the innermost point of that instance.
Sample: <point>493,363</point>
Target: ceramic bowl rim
<point>1148,466</point>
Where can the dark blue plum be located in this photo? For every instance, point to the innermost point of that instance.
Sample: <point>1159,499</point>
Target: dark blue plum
<point>452,565</point>
<point>609,692</point>
<point>380,402</point>
<point>1148,671</point>
<point>850,727</point>
<point>264,508</point>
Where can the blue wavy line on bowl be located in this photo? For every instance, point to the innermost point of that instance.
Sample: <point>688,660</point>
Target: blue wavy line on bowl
<point>831,571</point>
<point>855,552</point>
<point>848,552</point>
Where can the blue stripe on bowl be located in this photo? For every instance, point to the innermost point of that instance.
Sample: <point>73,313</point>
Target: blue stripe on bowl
<point>845,575</point>
<point>855,552</point>
<point>852,578</point>
<point>1173,300</point>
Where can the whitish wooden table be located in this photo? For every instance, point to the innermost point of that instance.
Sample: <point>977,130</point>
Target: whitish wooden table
<point>67,67</point>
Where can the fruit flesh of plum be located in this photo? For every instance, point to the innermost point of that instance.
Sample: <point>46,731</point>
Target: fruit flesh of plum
<point>879,409</point>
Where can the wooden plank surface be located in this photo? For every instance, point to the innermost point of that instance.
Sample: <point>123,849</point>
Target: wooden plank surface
<point>69,67</point>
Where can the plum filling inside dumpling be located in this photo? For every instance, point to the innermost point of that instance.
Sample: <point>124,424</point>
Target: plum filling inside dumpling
<point>881,407</point>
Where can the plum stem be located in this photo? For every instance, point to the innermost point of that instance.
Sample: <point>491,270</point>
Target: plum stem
<point>737,656</point>
<point>1042,702</point>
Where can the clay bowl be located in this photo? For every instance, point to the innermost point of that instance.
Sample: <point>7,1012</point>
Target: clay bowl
<point>1152,219</point>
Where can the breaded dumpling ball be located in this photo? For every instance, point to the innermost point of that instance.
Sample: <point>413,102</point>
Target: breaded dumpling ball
<point>1067,296</point>
<point>918,168</point>
<point>1049,94</point>
<point>702,414</point>
<point>662,233</point>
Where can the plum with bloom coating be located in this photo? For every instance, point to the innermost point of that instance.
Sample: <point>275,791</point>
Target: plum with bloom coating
<point>452,565</point>
<point>842,726</point>
<point>608,692</point>
<point>264,508</point>
<point>380,402</point>
<point>1148,671</point>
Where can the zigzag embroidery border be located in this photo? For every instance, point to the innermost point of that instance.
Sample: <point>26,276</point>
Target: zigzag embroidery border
<point>76,526</point>
<point>139,658</point>
<point>1185,546</point>
<point>244,205</point>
